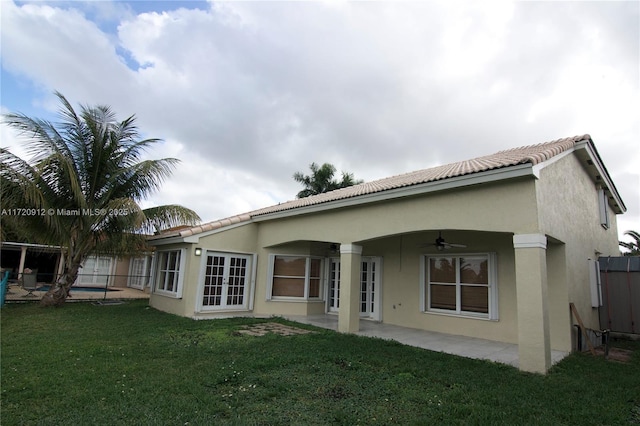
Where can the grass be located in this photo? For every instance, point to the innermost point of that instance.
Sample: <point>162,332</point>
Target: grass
<point>130,364</point>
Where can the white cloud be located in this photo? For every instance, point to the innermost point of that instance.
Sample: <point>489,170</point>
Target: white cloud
<point>251,92</point>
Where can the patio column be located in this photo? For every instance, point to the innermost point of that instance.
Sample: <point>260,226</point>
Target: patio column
<point>534,348</point>
<point>23,257</point>
<point>350,266</point>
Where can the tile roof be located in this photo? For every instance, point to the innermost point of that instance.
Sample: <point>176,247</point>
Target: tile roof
<point>533,154</point>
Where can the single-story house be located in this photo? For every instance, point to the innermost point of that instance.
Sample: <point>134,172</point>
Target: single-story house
<point>525,226</point>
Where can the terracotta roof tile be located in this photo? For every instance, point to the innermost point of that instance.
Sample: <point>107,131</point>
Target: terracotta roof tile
<point>533,154</point>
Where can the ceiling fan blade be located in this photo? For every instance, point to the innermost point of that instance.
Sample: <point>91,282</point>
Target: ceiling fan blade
<point>441,244</point>
<point>455,245</point>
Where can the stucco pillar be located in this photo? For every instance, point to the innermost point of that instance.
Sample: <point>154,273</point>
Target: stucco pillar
<point>350,266</point>
<point>23,257</point>
<point>534,348</point>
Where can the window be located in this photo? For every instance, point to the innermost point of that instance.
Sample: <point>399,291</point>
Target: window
<point>168,276</point>
<point>296,276</point>
<point>461,285</point>
<point>603,204</point>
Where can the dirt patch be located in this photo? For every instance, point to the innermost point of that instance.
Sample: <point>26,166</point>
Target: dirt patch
<point>616,354</point>
<point>272,327</point>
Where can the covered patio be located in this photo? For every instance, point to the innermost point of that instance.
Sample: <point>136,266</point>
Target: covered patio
<point>469,347</point>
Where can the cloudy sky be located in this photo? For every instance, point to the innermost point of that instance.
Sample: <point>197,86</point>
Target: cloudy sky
<point>247,93</point>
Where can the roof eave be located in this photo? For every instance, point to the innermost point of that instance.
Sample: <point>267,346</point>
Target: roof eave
<point>493,175</point>
<point>194,238</point>
<point>174,239</point>
<point>587,152</point>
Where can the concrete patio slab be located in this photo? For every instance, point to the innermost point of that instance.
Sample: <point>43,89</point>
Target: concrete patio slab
<point>469,347</point>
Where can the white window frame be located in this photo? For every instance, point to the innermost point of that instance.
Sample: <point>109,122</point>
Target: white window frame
<point>305,297</point>
<point>425,283</point>
<point>177,292</point>
<point>603,206</point>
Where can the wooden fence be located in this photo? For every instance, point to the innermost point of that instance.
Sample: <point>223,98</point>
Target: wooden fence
<point>620,286</point>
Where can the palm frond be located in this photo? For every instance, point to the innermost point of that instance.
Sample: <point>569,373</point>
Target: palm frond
<point>632,246</point>
<point>161,218</point>
<point>86,173</point>
<point>321,180</point>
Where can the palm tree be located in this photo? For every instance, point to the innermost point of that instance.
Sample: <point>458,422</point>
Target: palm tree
<point>81,188</point>
<point>633,246</point>
<point>321,180</point>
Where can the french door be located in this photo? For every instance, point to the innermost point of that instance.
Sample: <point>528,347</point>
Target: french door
<point>333,299</point>
<point>139,272</point>
<point>226,281</point>
<point>370,278</point>
<point>369,282</point>
<point>95,272</point>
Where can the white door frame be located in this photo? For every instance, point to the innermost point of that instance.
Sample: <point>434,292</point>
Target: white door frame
<point>333,285</point>
<point>248,282</point>
<point>370,286</point>
<point>372,280</point>
<point>143,277</point>
<point>89,278</point>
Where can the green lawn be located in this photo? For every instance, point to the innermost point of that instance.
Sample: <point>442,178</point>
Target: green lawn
<point>129,364</point>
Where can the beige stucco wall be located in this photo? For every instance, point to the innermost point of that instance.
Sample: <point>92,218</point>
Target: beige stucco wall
<point>503,207</point>
<point>402,258</point>
<point>183,305</point>
<point>569,214</point>
<point>394,231</point>
<point>120,272</point>
<point>241,239</point>
<point>377,228</point>
<point>275,307</point>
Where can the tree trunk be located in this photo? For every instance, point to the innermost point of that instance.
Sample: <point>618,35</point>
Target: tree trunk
<point>58,293</point>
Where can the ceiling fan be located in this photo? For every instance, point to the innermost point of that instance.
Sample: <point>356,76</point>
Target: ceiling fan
<point>440,244</point>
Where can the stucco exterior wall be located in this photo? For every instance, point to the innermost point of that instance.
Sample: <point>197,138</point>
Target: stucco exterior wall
<point>505,207</point>
<point>182,305</point>
<point>395,230</point>
<point>569,214</point>
<point>558,297</point>
<point>279,307</point>
<point>402,281</point>
<point>483,217</point>
<point>240,239</point>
